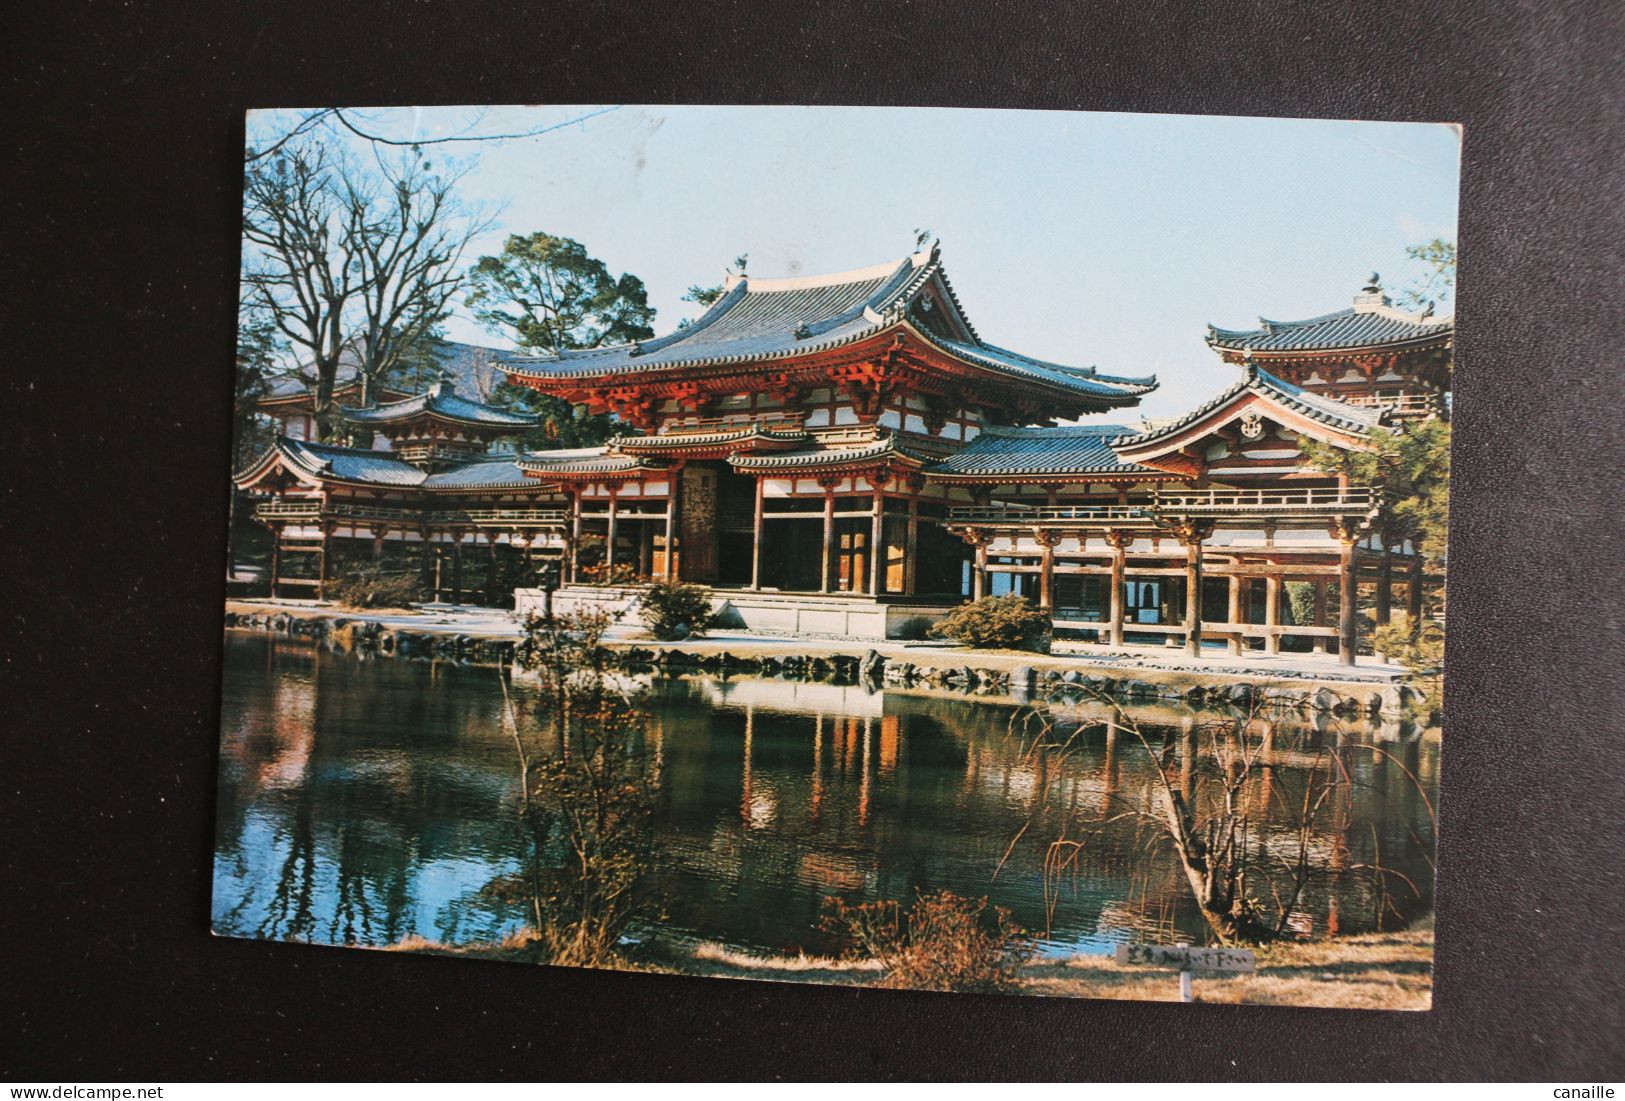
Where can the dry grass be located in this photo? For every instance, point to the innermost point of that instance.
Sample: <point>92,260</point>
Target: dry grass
<point>520,946</point>
<point>718,961</point>
<point>1374,971</point>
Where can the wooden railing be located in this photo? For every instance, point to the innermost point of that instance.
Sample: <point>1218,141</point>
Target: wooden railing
<point>513,517</point>
<point>838,434</point>
<point>311,511</point>
<point>1326,499</point>
<point>288,510</point>
<point>1047,514</point>
<point>424,452</point>
<point>370,512</point>
<point>1409,405</point>
<point>1329,500</point>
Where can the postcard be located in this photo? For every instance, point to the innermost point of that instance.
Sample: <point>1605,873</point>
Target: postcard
<point>956,550</point>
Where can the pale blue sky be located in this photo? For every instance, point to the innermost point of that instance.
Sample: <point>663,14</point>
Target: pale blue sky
<point>1104,239</point>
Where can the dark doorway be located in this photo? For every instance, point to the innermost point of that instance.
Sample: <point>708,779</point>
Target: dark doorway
<point>791,553</point>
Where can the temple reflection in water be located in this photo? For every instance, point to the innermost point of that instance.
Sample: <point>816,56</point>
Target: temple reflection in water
<point>366,801</point>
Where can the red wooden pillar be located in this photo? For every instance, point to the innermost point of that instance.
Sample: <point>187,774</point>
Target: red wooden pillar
<point>1193,594</point>
<point>1233,614</point>
<point>825,584</point>
<point>612,536</point>
<point>573,553</point>
<point>1320,613</point>
<point>1046,570</point>
<point>756,544</point>
<point>1272,613</point>
<point>1348,632</point>
<point>321,562</point>
<point>276,557</point>
<point>877,534</point>
<point>672,479</point>
<point>1118,541</point>
<point>457,567</point>
<point>1385,585</point>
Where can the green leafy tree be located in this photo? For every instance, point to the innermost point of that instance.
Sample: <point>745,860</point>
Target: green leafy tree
<point>258,346</point>
<point>548,294</point>
<point>417,363</point>
<point>706,296</point>
<point>1411,467</point>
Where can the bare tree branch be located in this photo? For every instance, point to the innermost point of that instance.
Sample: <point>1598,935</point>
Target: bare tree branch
<point>329,116</point>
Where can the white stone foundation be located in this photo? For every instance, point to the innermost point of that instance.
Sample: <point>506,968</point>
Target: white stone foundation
<point>795,614</point>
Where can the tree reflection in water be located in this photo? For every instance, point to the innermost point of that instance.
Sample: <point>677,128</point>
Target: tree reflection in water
<point>367,801</point>
<point>1253,818</point>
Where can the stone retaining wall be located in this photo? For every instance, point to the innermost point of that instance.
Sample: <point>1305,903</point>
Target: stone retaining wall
<point>780,614</point>
<point>347,635</point>
<point>1020,683</point>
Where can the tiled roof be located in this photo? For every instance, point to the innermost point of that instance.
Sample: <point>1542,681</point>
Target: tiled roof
<point>673,441</point>
<point>441,400</point>
<point>1085,379</point>
<point>834,456</point>
<point>581,460</point>
<point>754,319</point>
<point>1354,420</point>
<point>349,464</point>
<point>1361,326</point>
<point>1075,449</point>
<point>761,319</point>
<point>489,474</point>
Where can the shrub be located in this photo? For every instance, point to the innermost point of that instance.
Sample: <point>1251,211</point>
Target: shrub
<point>997,623</point>
<point>1300,599</point>
<point>1420,649</point>
<point>944,942</point>
<point>369,585</point>
<point>676,610</point>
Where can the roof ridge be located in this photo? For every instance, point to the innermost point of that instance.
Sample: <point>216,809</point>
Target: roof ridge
<point>953,298</point>
<point>1011,431</point>
<point>1269,323</point>
<point>779,285</point>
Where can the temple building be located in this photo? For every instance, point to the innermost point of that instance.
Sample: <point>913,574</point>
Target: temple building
<point>845,455</point>
<point>429,487</point>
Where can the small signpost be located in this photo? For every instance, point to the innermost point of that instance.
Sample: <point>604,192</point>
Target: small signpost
<point>1186,959</point>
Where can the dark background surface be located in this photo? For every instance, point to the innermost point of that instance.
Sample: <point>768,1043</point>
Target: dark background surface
<point>122,176</point>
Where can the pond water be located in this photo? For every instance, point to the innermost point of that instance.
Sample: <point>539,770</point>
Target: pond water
<point>365,800</point>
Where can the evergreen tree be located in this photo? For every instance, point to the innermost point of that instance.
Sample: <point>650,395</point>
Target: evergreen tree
<point>549,294</point>
<point>258,346</point>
